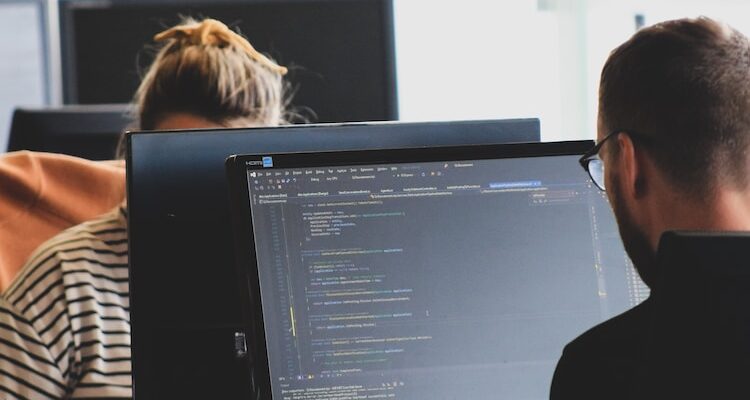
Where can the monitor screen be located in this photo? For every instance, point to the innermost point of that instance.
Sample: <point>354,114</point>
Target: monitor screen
<point>445,278</point>
<point>180,237</point>
<point>340,53</point>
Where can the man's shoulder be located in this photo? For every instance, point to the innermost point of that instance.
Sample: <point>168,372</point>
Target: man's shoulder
<point>619,336</point>
<point>603,361</point>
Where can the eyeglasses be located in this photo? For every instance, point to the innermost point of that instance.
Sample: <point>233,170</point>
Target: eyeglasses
<point>594,165</point>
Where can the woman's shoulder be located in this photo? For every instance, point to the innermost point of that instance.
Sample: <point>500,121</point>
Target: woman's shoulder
<point>93,245</point>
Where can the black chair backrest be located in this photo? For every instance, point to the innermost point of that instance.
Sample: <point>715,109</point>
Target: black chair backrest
<point>700,333</point>
<point>90,131</point>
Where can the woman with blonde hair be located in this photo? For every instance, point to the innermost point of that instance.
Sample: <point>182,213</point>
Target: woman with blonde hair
<point>209,74</point>
<point>64,321</point>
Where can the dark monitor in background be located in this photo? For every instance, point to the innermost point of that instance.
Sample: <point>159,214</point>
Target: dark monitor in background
<point>90,131</point>
<point>340,52</point>
<point>185,297</point>
<point>433,273</point>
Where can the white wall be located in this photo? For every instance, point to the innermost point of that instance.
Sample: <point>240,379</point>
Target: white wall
<point>476,59</point>
<point>22,69</point>
<point>465,59</point>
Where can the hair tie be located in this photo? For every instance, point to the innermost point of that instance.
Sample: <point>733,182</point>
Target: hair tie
<point>212,32</point>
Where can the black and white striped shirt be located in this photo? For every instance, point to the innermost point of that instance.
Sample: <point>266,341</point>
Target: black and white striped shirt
<point>65,321</point>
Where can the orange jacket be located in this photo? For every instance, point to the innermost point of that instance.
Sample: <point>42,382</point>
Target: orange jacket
<point>42,194</point>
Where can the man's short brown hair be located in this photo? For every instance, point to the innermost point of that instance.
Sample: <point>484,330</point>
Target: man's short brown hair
<point>684,85</point>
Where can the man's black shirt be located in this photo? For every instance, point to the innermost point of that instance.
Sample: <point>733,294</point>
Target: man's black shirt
<point>602,362</point>
<point>689,339</point>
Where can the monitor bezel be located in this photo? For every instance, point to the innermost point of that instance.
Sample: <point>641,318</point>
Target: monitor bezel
<point>244,236</point>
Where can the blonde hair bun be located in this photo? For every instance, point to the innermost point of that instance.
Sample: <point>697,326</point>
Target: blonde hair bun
<point>210,32</point>
<point>207,70</point>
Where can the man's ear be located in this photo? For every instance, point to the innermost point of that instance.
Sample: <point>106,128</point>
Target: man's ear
<point>630,167</point>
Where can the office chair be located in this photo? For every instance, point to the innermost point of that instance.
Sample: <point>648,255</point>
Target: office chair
<point>699,343</point>
<point>87,131</point>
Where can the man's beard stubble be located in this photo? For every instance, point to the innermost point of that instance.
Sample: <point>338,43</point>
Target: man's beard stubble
<point>633,238</point>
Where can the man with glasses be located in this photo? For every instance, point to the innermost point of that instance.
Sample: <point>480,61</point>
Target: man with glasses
<point>672,155</point>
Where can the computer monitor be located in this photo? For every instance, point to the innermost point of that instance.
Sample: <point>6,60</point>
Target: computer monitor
<point>185,300</point>
<point>90,131</point>
<point>340,52</point>
<point>451,273</point>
